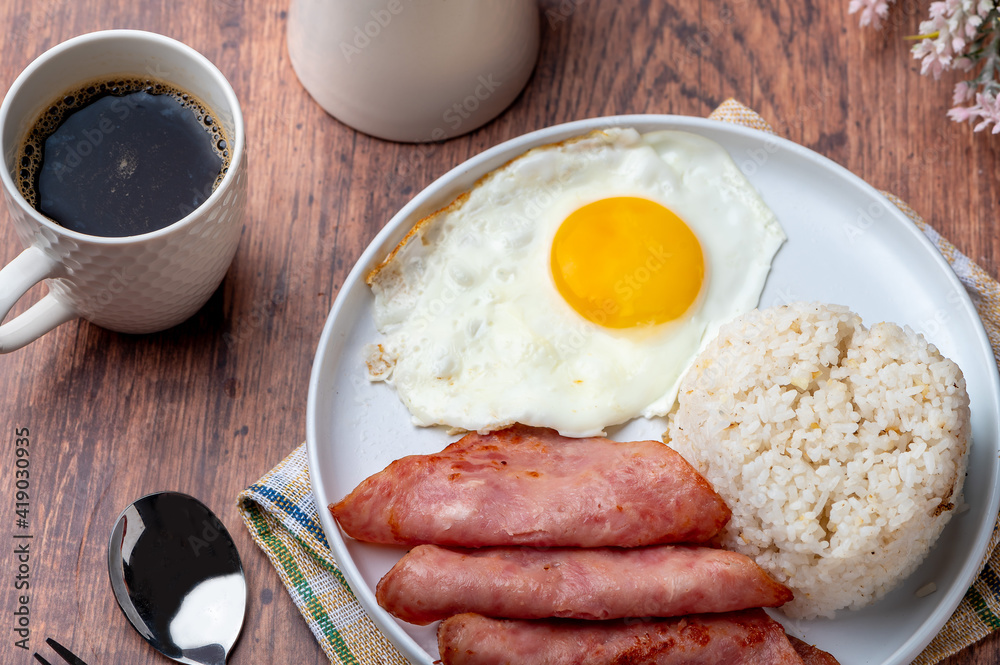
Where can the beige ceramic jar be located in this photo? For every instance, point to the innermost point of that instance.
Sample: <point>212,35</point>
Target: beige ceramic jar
<point>413,70</point>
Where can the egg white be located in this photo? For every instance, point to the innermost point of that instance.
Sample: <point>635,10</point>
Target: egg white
<point>477,337</point>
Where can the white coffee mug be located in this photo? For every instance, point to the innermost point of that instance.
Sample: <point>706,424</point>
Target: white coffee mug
<point>413,70</point>
<point>133,284</point>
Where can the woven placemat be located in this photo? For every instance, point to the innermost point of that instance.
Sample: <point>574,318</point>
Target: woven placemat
<point>283,519</point>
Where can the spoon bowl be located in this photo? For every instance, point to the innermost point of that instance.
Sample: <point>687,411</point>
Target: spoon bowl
<point>178,578</point>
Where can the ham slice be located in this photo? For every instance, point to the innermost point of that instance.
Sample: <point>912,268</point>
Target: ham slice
<point>431,582</point>
<point>810,655</point>
<point>530,486</point>
<point>736,638</point>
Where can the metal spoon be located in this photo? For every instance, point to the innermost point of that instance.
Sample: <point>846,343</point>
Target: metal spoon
<point>178,578</point>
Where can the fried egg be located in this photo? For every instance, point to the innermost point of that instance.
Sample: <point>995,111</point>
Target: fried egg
<point>572,287</point>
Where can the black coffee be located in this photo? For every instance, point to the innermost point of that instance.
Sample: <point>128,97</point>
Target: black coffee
<point>122,157</point>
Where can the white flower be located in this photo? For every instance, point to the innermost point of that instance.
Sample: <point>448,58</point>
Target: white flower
<point>935,56</point>
<point>952,25</point>
<point>988,108</point>
<point>963,93</point>
<point>958,35</point>
<point>872,11</point>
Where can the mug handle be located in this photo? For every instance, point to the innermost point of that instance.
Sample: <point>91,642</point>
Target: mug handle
<point>27,269</point>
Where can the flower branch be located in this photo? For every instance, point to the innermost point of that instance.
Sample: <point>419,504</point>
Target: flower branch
<point>959,35</point>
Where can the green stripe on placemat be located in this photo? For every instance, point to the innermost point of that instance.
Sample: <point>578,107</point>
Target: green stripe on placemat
<point>982,609</point>
<point>286,560</point>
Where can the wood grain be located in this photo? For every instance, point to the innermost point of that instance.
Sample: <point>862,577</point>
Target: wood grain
<point>209,406</point>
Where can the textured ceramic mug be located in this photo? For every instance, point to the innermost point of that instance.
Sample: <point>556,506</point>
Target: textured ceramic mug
<point>413,70</point>
<point>133,284</point>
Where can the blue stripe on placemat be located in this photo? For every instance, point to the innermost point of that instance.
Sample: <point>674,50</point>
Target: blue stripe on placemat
<point>291,509</point>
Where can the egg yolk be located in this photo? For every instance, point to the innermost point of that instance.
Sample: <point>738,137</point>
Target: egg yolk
<point>625,261</point>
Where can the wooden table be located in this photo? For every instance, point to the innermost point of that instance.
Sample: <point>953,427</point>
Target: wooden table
<point>209,406</point>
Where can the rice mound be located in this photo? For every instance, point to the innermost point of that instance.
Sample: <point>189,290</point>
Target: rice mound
<point>841,450</point>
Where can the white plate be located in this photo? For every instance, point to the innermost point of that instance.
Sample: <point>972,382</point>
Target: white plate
<point>846,244</point>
